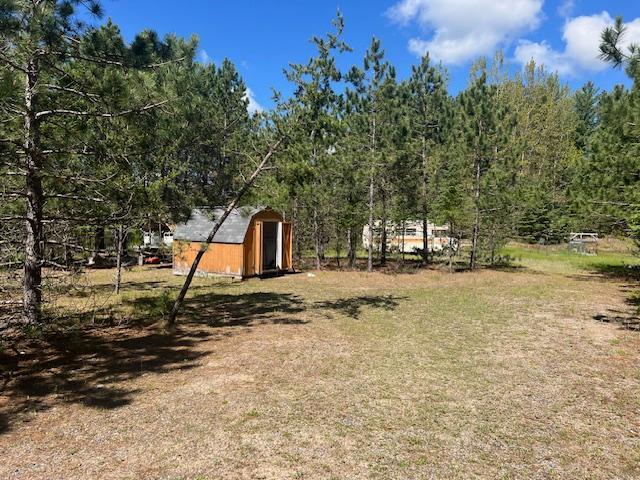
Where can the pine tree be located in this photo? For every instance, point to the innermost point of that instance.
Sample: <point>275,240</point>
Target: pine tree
<point>616,145</point>
<point>372,100</point>
<point>586,109</point>
<point>47,52</point>
<point>482,118</point>
<point>429,114</point>
<point>317,107</point>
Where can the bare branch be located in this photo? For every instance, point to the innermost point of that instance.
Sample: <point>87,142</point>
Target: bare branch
<point>11,63</point>
<point>89,96</point>
<point>74,197</point>
<point>117,63</point>
<point>79,113</point>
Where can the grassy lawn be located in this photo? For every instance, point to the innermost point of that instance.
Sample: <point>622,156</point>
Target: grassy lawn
<point>526,372</point>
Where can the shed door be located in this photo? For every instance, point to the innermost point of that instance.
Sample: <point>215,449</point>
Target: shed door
<point>287,246</point>
<point>279,247</point>
<point>257,248</point>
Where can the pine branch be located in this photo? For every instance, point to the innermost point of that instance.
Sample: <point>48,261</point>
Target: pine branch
<point>74,197</point>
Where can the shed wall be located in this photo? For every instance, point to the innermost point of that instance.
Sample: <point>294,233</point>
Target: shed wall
<point>219,259</point>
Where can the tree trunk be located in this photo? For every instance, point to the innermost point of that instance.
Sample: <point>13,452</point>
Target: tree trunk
<point>450,254</point>
<point>121,234</point>
<point>370,233</point>
<point>425,204</point>
<point>99,243</point>
<point>493,247</point>
<point>171,320</point>
<point>296,238</point>
<point>352,246</point>
<point>34,238</point>
<point>373,149</point>
<point>383,233</point>
<point>404,228</point>
<point>338,247</point>
<point>68,258</point>
<point>317,239</point>
<point>476,223</point>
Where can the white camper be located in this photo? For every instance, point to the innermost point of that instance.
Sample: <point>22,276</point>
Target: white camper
<point>407,237</point>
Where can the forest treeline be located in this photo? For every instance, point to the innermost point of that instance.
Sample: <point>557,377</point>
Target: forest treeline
<point>100,134</point>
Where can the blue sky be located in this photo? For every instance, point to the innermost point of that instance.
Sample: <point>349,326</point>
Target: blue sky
<point>263,37</point>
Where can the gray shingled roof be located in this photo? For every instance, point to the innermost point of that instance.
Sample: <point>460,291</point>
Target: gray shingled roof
<point>202,220</point>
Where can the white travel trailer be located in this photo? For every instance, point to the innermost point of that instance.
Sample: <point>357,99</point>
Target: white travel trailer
<point>407,237</point>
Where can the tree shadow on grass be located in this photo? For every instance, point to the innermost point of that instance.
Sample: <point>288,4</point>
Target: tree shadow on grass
<point>618,272</point>
<point>628,319</point>
<point>224,310</point>
<point>90,368</point>
<point>84,291</point>
<point>352,307</point>
<point>94,366</point>
<point>609,272</point>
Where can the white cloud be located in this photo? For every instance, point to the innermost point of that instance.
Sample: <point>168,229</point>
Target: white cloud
<point>543,54</point>
<point>203,56</point>
<point>254,106</point>
<point>566,8</point>
<point>464,29</point>
<point>581,37</point>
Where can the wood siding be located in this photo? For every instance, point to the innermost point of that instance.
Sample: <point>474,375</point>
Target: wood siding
<point>248,251</point>
<point>257,247</point>
<point>220,258</point>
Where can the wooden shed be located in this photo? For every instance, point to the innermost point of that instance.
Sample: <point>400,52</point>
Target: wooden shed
<point>252,241</point>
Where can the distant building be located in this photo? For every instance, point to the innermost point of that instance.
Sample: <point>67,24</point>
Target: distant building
<point>407,237</point>
<point>251,241</point>
<point>157,239</point>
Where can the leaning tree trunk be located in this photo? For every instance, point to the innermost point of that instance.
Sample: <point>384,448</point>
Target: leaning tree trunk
<point>171,320</point>
<point>34,238</point>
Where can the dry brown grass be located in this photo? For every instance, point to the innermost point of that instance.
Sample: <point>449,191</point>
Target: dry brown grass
<point>494,374</point>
